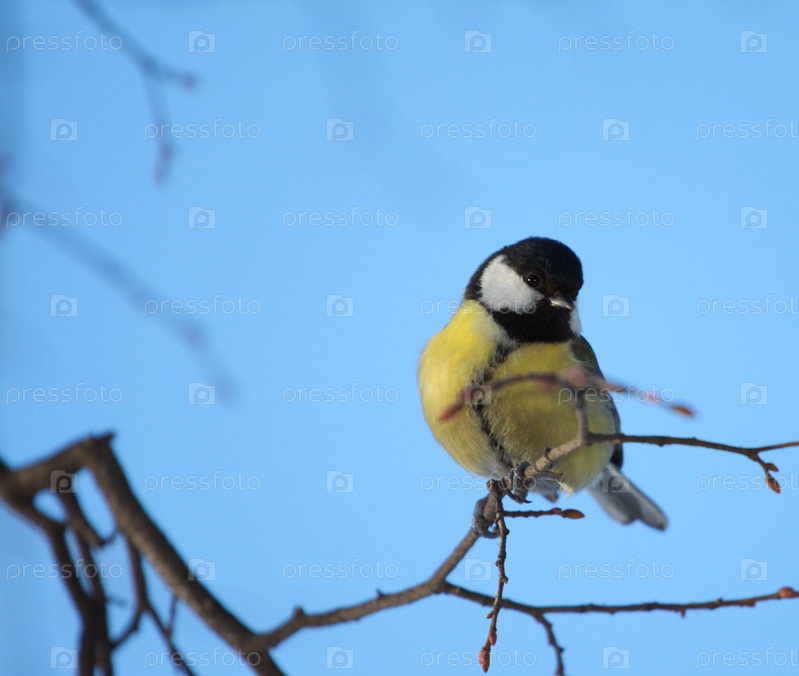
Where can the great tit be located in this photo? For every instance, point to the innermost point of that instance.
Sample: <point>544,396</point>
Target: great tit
<point>519,316</point>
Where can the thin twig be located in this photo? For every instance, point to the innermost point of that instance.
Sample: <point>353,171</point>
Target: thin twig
<point>155,74</point>
<point>485,653</point>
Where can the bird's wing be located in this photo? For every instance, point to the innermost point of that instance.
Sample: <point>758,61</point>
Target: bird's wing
<point>614,491</point>
<point>584,353</point>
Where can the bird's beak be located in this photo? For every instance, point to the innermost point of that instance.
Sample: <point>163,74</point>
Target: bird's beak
<point>562,301</point>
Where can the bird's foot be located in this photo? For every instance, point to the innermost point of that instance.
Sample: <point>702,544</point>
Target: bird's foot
<point>519,484</point>
<point>484,517</point>
<point>545,483</point>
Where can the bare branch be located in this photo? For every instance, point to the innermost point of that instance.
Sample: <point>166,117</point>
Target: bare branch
<point>155,74</point>
<point>95,454</point>
<point>485,653</point>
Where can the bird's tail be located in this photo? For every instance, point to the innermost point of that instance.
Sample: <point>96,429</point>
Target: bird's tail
<point>619,497</point>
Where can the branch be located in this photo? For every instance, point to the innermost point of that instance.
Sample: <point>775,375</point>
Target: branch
<point>130,285</point>
<point>434,585</point>
<point>576,383</point>
<point>749,602</point>
<point>19,487</point>
<point>753,453</point>
<point>155,74</point>
<point>497,491</point>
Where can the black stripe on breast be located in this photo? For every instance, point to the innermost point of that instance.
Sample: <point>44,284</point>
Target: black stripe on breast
<point>480,399</point>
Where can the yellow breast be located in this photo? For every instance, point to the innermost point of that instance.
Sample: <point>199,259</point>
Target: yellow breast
<point>523,420</point>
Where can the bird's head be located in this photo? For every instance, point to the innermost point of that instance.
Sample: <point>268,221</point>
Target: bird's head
<point>530,288</point>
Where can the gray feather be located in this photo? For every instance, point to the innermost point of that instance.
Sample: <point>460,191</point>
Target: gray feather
<point>619,497</point>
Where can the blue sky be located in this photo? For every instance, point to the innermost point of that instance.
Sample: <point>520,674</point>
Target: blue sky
<point>339,173</point>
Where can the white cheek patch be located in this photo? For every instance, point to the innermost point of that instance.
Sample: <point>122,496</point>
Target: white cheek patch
<point>503,290</point>
<point>574,321</point>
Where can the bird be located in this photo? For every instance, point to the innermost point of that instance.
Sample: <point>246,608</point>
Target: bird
<point>519,316</point>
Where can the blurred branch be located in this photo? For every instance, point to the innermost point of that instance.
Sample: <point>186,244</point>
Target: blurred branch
<point>155,73</point>
<point>130,285</point>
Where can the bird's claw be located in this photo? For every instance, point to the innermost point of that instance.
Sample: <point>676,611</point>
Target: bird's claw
<point>482,522</point>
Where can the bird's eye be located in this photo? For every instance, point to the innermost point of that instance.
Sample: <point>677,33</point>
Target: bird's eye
<point>532,280</point>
